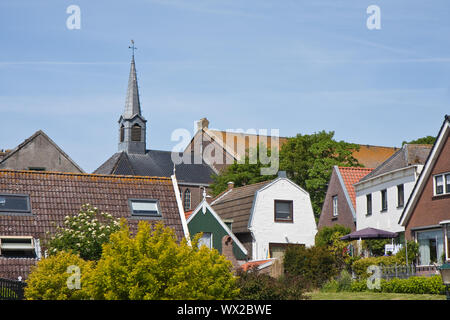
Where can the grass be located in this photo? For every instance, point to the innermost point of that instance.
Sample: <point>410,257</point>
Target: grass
<point>317,295</point>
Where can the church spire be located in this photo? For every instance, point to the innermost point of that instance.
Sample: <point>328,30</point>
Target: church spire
<point>132,125</point>
<point>132,104</point>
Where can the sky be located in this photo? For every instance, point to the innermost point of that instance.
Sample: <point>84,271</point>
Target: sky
<point>293,65</point>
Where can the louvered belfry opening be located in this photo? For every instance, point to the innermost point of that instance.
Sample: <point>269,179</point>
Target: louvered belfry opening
<point>136,132</point>
<point>122,133</point>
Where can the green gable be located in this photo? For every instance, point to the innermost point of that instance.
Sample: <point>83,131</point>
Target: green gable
<point>207,222</point>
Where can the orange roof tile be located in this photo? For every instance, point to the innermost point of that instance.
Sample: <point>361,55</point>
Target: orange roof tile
<point>351,175</point>
<point>246,266</point>
<point>187,214</point>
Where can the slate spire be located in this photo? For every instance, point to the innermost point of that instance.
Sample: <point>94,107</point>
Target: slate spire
<point>132,125</point>
<point>132,104</point>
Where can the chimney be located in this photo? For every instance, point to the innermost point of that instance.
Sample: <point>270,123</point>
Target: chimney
<point>202,124</point>
<point>230,185</point>
<point>282,174</point>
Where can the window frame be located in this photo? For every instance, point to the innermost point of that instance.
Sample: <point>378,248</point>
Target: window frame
<point>291,209</point>
<point>445,189</point>
<point>369,212</point>
<point>16,211</point>
<point>402,188</point>
<point>144,215</point>
<point>384,204</point>
<point>335,201</point>
<point>135,130</point>
<point>184,199</point>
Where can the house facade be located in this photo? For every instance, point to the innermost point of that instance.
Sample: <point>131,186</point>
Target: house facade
<point>34,202</point>
<point>206,221</point>
<point>133,157</point>
<point>382,194</point>
<point>39,153</point>
<point>339,206</point>
<point>426,216</point>
<point>268,216</point>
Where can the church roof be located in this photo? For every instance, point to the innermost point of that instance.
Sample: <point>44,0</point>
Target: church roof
<point>155,163</point>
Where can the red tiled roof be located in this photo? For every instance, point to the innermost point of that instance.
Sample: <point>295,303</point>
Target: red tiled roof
<point>255,263</point>
<point>351,175</point>
<point>13,268</point>
<point>187,214</point>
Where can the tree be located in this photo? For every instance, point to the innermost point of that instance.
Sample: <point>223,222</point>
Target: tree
<point>51,278</point>
<point>153,265</point>
<point>84,233</point>
<point>241,174</point>
<point>423,140</point>
<point>325,235</point>
<point>309,159</point>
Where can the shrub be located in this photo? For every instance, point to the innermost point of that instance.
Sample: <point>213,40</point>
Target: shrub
<point>255,285</point>
<point>84,233</point>
<point>360,266</point>
<point>341,283</point>
<point>412,285</point>
<point>153,265</point>
<point>325,234</point>
<point>413,252</point>
<point>376,246</point>
<point>48,279</point>
<point>316,264</point>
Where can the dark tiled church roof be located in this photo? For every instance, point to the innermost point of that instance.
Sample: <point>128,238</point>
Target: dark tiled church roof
<point>156,163</point>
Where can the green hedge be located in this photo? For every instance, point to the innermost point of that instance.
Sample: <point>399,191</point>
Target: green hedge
<point>360,266</point>
<point>414,285</point>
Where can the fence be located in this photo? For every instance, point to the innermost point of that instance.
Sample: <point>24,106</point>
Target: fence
<point>11,289</point>
<point>406,271</point>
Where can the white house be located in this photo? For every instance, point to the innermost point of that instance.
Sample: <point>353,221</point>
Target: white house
<point>382,194</point>
<point>268,216</point>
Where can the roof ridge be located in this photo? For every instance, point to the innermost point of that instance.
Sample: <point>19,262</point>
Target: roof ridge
<point>83,174</point>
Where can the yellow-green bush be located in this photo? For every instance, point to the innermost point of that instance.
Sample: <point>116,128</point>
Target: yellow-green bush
<point>153,265</point>
<point>360,266</point>
<point>48,279</point>
<point>413,285</point>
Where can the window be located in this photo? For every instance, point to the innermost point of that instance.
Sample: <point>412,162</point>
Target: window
<point>369,204</point>
<point>12,203</point>
<point>17,247</point>
<point>145,207</point>
<point>187,200</point>
<point>384,204</point>
<point>36,168</point>
<point>283,210</point>
<point>136,132</point>
<point>335,206</point>
<point>442,184</point>
<point>400,196</point>
<point>122,133</point>
<point>439,182</point>
<point>205,240</point>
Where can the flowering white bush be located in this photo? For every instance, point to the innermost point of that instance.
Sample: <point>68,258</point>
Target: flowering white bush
<point>84,233</point>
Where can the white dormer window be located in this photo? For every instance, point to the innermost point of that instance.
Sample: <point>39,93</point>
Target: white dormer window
<point>140,207</point>
<point>17,246</point>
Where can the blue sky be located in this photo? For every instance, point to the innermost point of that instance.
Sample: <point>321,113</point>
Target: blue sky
<point>297,66</point>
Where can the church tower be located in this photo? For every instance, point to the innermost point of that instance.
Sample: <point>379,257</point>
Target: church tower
<point>132,125</point>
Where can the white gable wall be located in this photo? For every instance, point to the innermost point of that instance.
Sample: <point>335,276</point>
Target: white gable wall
<point>265,230</point>
<point>387,220</point>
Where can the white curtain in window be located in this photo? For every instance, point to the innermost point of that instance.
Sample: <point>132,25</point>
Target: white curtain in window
<point>425,239</point>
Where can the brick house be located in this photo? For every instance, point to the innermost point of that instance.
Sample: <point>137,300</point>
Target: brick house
<point>426,216</point>
<point>339,206</point>
<point>32,203</point>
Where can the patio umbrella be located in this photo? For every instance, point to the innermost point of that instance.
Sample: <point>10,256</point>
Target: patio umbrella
<point>370,233</point>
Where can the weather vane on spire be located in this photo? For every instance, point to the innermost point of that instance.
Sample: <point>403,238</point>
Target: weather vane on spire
<point>132,47</point>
